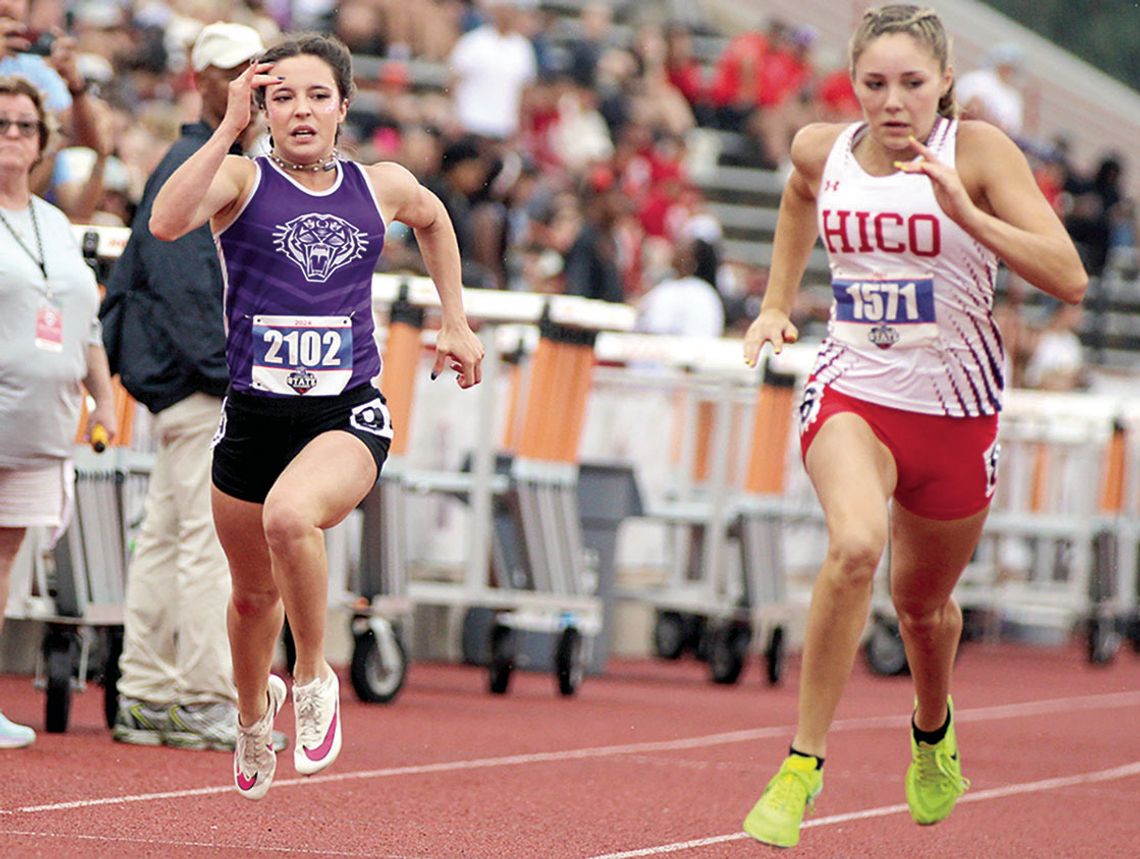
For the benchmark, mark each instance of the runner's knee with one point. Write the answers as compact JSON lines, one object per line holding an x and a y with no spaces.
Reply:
{"x":922,"y":621}
{"x":252,"y":602}
{"x":853,"y":559}
{"x":285,"y":524}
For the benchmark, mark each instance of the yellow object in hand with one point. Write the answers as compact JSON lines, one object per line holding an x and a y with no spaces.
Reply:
{"x":99,"y":438}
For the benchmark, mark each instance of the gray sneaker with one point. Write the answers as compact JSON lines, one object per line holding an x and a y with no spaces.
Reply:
{"x":140,"y":723}
{"x":209,"y":726}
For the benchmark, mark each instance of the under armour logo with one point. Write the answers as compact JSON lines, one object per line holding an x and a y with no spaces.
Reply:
{"x":831,"y":185}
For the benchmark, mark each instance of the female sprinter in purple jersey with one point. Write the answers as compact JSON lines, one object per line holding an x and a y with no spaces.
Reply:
{"x":304,"y":429}
{"x":915,"y":209}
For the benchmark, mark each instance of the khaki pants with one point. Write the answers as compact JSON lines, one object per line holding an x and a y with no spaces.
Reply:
{"x":176,"y":649}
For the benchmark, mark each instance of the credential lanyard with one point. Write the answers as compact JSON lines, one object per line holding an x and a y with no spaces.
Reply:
{"x":41,"y":260}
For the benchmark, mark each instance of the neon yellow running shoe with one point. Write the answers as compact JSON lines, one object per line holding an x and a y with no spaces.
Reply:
{"x":777,"y":815}
{"x":934,"y":778}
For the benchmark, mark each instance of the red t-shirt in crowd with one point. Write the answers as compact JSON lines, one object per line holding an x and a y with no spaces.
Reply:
{"x":836,"y":95}
{"x":782,"y":74}
{"x":747,"y":49}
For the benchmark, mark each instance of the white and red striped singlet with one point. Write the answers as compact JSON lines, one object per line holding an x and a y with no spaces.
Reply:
{"x":911,"y":322}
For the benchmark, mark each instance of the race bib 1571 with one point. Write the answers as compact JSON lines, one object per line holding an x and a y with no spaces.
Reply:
{"x":886,"y":313}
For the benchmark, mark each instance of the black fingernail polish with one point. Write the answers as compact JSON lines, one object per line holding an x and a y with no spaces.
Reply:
{"x":434,"y":375}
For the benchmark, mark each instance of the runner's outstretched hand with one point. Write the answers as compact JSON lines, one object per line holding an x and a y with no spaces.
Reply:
{"x":459,"y":348}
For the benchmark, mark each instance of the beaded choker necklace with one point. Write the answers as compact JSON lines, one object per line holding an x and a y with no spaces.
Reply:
{"x":324,"y":165}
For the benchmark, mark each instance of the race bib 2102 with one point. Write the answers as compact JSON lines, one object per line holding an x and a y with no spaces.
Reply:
{"x":302,"y":355}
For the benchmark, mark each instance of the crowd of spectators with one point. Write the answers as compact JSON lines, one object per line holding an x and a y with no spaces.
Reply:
{"x":1099,"y":217}
{"x":563,"y":145}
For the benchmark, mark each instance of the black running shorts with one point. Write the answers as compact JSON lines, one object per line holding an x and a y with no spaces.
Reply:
{"x":259,"y":436}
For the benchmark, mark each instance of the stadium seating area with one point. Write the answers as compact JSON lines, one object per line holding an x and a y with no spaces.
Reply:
{"x":631,"y":139}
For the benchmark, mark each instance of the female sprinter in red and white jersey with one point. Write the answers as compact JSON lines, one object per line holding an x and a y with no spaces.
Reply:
{"x":915,"y":209}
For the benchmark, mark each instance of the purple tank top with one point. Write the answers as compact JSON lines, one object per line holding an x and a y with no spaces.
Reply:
{"x":297,"y":267}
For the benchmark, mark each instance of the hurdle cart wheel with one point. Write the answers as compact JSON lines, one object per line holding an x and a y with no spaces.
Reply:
{"x":113,"y":644}
{"x":774,"y":656}
{"x":502,"y":658}
{"x":884,"y":649}
{"x":59,"y":666}
{"x":1103,"y":640}
{"x":729,"y":648}
{"x":568,"y":662}
{"x":379,"y":660}
{"x":670,"y":634}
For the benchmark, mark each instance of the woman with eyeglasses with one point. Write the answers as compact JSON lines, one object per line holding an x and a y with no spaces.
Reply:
{"x":51,"y":346}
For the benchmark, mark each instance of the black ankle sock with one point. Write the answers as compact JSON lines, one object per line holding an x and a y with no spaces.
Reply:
{"x":931,"y":737}
{"x":818,"y":760}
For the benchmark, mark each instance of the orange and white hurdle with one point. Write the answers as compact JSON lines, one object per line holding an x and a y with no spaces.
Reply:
{"x":723,"y":509}
{"x":539,"y":582}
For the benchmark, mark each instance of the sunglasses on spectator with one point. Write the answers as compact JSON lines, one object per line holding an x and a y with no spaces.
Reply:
{"x":26,"y":127}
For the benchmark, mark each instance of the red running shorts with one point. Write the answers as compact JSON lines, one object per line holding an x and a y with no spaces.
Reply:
{"x":947,"y":467}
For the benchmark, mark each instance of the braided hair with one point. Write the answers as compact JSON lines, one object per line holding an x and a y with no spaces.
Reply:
{"x":921,"y":24}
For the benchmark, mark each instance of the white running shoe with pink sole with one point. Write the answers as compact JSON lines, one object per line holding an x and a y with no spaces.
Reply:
{"x":316,"y":706}
{"x":254,"y":758}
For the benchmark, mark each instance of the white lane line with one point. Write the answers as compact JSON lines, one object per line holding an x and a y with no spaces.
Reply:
{"x":676,"y":847}
{"x":1012,"y":711}
{"x":1126,"y":771}
{"x":211,"y":845}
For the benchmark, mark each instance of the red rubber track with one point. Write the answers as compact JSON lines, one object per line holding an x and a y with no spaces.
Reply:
{"x":649,"y":760}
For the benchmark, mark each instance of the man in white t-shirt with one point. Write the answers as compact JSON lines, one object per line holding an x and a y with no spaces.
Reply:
{"x":491,"y":68}
{"x":992,"y":93}
{"x":1058,"y":359}
{"x":685,"y":305}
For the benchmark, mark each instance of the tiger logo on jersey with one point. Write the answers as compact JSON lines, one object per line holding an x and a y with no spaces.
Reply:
{"x":320,"y":244}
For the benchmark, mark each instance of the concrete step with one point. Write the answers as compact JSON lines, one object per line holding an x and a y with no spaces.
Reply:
{"x":760,"y":253}
{"x":741,"y":221}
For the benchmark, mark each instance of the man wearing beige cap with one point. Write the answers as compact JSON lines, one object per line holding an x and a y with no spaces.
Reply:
{"x":162,"y":326}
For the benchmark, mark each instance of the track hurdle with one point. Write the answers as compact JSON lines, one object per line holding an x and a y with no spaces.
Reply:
{"x":536,"y":579}
{"x":723,"y":513}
